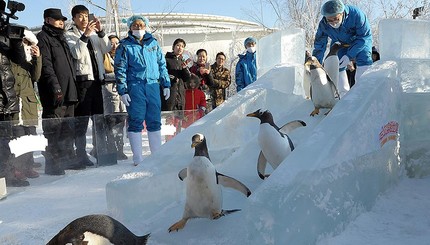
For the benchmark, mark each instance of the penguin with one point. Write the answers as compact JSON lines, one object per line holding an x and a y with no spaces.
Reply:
{"x":324,"y":93}
{"x":274,"y":142}
{"x":96,"y":229}
{"x":203,"y":190}
{"x":331,"y":62}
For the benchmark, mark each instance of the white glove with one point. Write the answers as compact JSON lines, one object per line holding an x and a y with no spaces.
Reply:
{"x":166,"y":93}
{"x":343,"y":62}
{"x":125,"y":98}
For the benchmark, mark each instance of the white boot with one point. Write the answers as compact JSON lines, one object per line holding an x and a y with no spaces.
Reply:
{"x":343,"y":84}
{"x":135,"y":139}
{"x":154,"y":140}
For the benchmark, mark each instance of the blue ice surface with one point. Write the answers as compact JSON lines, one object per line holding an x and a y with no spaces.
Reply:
{"x":341,"y":163}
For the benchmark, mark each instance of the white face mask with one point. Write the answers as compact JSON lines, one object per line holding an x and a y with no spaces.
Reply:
{"x":251,"y":49}
{"x":138,"y":33}
{"x":335,"y":26}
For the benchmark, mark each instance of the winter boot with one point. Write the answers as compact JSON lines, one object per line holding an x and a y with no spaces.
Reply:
{"x":136,"y":146}
{"x":120,"y":148}
{"x":81,"y":153}
{"x":154,"y":140}
{"x":10,"y":175}
{"x":52,"y":162}
{"x":28,"y":167}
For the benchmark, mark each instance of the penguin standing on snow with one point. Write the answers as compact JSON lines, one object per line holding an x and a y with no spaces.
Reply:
{"x":324,"y":93}
{"x":274,"y":142}
{"x":331,"y":63}
{"x":97,"y":229}
{"x":203,"y":190}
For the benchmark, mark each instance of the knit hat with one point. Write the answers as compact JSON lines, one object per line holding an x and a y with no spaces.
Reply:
{"x":29,"y":36}
{"x":133,"y":18}
{"x":249,"y":40}
{"x":332,"y":8}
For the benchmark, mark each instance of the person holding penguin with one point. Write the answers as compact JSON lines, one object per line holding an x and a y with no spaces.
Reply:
{"x":350,"y":26}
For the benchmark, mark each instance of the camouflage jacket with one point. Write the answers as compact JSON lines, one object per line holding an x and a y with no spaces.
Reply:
{"x":222,"y":80}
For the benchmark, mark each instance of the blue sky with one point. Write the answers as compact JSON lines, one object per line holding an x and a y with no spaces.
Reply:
{"x":241,"y":9}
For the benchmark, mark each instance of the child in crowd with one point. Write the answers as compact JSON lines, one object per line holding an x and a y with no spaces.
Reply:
{"x":194,"y":97}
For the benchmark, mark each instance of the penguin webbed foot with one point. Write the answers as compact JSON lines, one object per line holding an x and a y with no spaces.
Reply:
{"x":178,"y":225}
{"x":217,"y":215}
{"x":316,"y":111}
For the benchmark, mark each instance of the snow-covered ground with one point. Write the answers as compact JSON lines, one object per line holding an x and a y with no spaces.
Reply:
{"x":150,"y":197}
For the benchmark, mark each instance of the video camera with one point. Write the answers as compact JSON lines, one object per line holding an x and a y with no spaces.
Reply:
{"x":11,"y":31}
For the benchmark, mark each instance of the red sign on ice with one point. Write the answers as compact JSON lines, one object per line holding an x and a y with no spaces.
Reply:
{"x":389,"y":132}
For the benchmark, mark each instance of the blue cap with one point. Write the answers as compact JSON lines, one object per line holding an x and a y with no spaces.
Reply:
{"x":249,"y":40}
{"x":332,"y":8}
{"x":133,"y":18}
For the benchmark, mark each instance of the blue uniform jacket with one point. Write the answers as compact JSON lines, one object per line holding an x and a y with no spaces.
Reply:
{"x":354,"y":30}
{"x":246,"y":70}
{"x":136,"y":63}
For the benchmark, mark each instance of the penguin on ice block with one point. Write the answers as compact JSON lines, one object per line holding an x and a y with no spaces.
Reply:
{"x":274,"y":142}
{"x":97,"y":229}
{"x":203,"y":190}
{"x":324,"y":93}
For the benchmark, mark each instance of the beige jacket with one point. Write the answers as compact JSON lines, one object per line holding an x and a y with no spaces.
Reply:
{"x":80,"y":52}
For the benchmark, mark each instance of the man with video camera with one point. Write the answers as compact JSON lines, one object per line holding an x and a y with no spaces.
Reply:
{"x":11,"y":49}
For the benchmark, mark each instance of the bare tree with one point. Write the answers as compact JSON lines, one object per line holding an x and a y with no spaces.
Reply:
{"x":306,"y":14}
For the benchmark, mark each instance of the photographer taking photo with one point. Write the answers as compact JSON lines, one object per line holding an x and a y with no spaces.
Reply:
{"x":11,"y":49}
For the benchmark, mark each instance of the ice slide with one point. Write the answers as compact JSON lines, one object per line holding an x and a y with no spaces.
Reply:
{"x":341,"y":163}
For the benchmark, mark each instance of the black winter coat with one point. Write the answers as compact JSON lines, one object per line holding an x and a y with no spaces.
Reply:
{"x":178,"y":77}
{"x":10,"y":50}
{"x":58,"y":67}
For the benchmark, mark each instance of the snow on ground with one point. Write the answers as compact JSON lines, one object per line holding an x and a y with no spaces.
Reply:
{"x":32,"y":215}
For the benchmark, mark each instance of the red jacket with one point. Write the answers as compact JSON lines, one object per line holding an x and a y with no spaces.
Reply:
{"x":194,"y":99}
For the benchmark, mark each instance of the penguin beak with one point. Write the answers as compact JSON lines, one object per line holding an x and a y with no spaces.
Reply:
{"x":254,"y":114}
{"x":194,"y":144}
{"x":251,"y":115}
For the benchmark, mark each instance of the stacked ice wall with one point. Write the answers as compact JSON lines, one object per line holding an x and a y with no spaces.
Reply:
{"x":341,"y":163}
{"x":412,"y":51}
{"x":282,"y":47}
{"x":337,"y":172}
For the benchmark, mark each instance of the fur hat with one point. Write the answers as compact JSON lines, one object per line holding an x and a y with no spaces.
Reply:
{"x":29,"y":36}
{"x":332,"y":8}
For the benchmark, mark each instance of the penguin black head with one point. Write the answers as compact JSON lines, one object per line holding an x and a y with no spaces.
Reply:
{"x":308,"y":56}
{"x":199,"y":143}
{"x":264,"y":116}
{"x":313,"y":63}
{"x":336,"y":47}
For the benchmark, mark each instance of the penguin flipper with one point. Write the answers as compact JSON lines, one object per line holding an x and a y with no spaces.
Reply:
{"x":143,"y":239}
{"x":230,"y":182}
{"x":261,"y":165}
{"x":333,"y":87}
{"x":287,"y":128}
{"x":182,"y":174}
{"x":224,"y":213}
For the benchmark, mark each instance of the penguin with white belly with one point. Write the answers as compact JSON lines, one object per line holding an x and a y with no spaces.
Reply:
{"x":97,"y":229}
{"x":203,"y":190}
{"x":324,"y":93}
{"x":274,"y":142}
